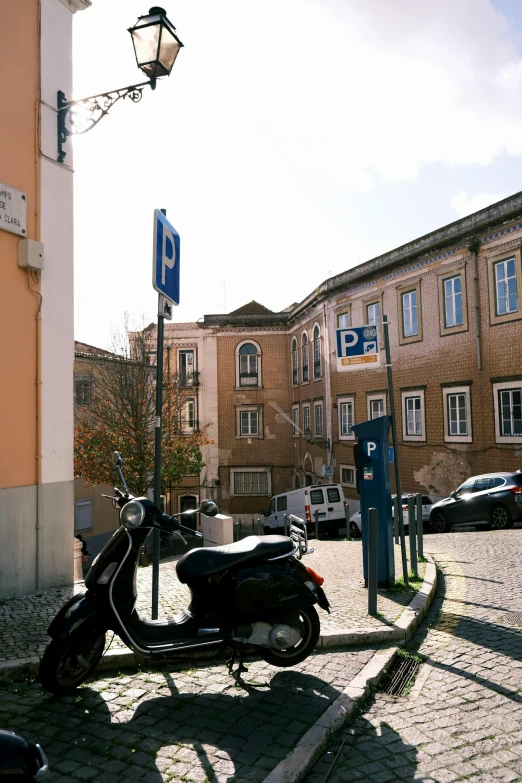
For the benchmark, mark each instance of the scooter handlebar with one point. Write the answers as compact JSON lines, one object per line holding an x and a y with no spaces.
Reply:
{"x":173,"y":525}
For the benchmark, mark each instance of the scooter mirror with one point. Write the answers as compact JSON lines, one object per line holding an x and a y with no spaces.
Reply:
{"x":117,"y":459}
{"x":209,"y":508}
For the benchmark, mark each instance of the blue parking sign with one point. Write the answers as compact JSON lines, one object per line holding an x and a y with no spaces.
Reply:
{"x":165,"y":258}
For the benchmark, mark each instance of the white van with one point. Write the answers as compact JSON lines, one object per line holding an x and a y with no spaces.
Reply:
{"x":327,"y":499}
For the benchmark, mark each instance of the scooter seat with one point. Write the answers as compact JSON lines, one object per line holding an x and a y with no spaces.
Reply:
{"x":213,"y":560}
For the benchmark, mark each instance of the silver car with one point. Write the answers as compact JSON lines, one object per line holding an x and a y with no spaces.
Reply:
{"x":427,"y":502}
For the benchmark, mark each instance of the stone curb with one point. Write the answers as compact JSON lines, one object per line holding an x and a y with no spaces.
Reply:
{"x":400,"y":631}
{"x":295,"y":766}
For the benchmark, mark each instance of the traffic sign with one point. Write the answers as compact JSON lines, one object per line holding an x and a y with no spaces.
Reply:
{"x":164,"y":307}
{"x":165,"y":258}
{"x":357,"y":348}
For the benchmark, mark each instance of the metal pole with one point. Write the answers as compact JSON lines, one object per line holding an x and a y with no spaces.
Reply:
{"x":396,"y":518}
{"x":395,"y":447}
{"x":372,"y":560}
{"x":285,"y":523}
{"x":420,"y":526}
{"x":316,"y":515}
{"x":253,"y":525}
{"x":413,"y":535}
{"x":347,"y":515}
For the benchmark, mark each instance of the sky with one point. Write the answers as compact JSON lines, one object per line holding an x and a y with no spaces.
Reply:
{"x":293,"y":140}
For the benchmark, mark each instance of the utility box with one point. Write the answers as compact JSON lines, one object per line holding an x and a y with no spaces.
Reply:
{"x":217,"y":531}
{"x":30,"y":254}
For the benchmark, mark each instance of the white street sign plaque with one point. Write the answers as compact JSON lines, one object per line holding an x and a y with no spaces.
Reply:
{"x":165,"y":307}
{"x":13,"y":210}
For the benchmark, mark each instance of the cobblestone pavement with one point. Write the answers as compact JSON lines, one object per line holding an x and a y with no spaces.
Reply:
{"x":24,"y":621}
{"x":191,"y":724}
{"x":463,"y":717}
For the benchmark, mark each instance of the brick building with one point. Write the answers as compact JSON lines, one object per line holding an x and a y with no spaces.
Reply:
{"x":453,"y":299}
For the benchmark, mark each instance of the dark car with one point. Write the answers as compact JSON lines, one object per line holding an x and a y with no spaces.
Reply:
{"x":493,"y":499}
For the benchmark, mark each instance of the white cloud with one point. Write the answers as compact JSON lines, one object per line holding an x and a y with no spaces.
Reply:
{"x":466,"y":205}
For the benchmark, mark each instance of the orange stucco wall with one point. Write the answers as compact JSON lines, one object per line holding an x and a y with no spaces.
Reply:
{"x":19,"y":45}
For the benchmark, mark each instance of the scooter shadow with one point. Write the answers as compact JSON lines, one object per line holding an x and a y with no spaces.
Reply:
{"x":181,"y":733}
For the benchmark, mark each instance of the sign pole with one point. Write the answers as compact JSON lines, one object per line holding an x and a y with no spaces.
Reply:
{"x":157,"y":463}
{"x":395,"y":448}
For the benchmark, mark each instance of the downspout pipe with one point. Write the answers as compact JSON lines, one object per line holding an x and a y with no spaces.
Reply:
{"x":473,"y":249}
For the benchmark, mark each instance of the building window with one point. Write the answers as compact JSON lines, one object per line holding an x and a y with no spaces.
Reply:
{"x":304,"y":360}
{"x":249,"y":422}
{"x":295,"y":419}
{"x":506,"y":292}
{"x":82,"y":515}
{"x":186,"y":368}
{"x":318,"y":419}
{"x":457,"y":414}
{"x":248,"y":365}
{"x":373,"y":313}
{"x":413,"y":421}
{"x":505,"y":284}
{"x":346,"y":409}
{"x":317,"y":352}
{"x":306,"y":418}
{"x":376,"y":406}
{"x":188,"y":415}
{"x":297,"y":482}
{"x":250,"y":481}
{"x":82,"y":389}
{"x":343,"y":320}
{"x":348,"y":477}
{"x":410,"y":321}
{"x":453,"y":315}
{"x":294,"y":361}
{"x":508,"y":411}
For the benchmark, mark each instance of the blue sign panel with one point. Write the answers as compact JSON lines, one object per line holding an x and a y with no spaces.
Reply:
{"x":357,"y":348}
{"x":165,"y":258}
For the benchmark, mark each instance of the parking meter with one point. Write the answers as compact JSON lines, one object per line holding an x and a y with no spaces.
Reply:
{"x":373,"y":467}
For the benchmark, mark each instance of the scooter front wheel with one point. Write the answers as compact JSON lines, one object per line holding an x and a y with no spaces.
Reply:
{"x":310,"y":628}
{"x":66,"y":665}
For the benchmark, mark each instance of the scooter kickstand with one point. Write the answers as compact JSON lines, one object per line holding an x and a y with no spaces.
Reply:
{"x":240,"y":669}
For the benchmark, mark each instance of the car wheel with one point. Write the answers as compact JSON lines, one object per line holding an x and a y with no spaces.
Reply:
{"x":354,"y":530}
{"x":439,"y":523}
{"x":500,"y":519}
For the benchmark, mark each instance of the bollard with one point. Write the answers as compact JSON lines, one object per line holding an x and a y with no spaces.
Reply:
{"x":420,"y":526}
{"x":260,"y":530}
{"x":285,"y":522}
{"x":396,"y":518}
{"x":253,"y":525}
{"x":78,"y":570}
{"x":316,"y":515}
{"x":372,"y":561}
{"x":347,"y":517}
{"x":412,"y":534}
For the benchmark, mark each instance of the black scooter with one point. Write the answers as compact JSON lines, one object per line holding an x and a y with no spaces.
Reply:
{"x":253,"y":593}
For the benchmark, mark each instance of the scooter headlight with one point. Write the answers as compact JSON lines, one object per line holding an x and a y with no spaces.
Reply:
{"x":132,"y":514}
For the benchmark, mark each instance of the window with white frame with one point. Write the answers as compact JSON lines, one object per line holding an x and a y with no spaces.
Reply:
{"x":373,"y":313}
{"x":348,"y":476}
{"x":304,"y":358}
{"x":188,"y":415}
{"x":410,"y":320}
{"x":306,"y":418}
{"x":343,"y":320}
{"x":318,"y":419}
{"x":413,"y":420}
{"x":317,"y":352}
{"x":506,"y":288}
{"x":453,"y":311}
{"x":248,"y":355}
{"x":295,"y":419}
{"x":82,"y":515}
{"x":82,"y":389}
{"x":346,"y":408}
{"x":249,"y":424}
{"x":457,"y":414}
{"x":186,"y":368}
{"x":294,"y":362}
{"x":508,"y":411}
{"x":250,"y":481}
{"x":376,"y":406}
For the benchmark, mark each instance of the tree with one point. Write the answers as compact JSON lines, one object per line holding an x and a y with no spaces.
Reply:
{"x":121,"y":417}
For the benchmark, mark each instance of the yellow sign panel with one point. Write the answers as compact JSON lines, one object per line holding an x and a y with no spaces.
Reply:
{"x":369,"y":358}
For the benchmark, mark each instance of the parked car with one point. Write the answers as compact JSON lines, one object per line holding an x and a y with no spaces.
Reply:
{"x":355,"y":519}
{"x":491,"y":499}
{"x":326,"y":499}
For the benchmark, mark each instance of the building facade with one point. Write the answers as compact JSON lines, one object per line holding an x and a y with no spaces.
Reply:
{"x":453,"y":301}
{"x":36,"y":306}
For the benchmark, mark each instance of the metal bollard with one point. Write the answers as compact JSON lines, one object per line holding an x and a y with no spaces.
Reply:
{"x":347,"y":517}
{"x":236,"y":531}
{"x":253,"y":525}
{"x":316,"y":515}
{"x":285,"y":522}
{"x":412,"y":535}
{"x":372,"y":560}
{"x":396,"y":518}
{"x":420,"y":526}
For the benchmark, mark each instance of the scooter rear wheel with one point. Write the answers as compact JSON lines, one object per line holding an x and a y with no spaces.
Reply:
{"x":310,"y":630}
{"x":65,"y":666}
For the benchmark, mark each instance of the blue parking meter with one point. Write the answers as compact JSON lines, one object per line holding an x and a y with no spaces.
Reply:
{"x":373,"y":472}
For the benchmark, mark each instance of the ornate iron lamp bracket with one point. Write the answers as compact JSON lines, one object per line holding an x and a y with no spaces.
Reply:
{"x":76,"y":117}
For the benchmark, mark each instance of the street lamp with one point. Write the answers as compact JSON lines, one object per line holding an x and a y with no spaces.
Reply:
{"x":323,"y":444}
{"x":156,"y":47}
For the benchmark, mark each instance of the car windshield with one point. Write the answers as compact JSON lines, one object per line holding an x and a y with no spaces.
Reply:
{"x":465,"y":489}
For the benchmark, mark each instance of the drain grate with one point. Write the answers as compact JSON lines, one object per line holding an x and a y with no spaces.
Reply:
{"x":513,"y":618}
{"x":400,"y":676}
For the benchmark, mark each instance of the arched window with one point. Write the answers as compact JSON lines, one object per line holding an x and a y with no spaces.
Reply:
{"x":297,"y":481}
{"x":294,"y":361}
{"x":304,"y":362}
{"x":248,"y":364}
{"x":317,"y":352}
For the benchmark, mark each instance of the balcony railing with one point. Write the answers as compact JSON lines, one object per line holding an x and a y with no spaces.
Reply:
{"x":188,"y":379}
